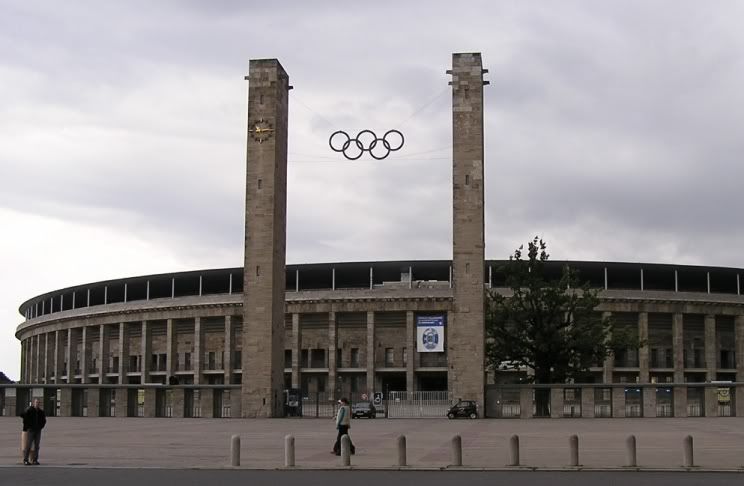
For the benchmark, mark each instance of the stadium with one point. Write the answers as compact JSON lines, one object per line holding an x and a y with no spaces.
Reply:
{"x":233,"y":340}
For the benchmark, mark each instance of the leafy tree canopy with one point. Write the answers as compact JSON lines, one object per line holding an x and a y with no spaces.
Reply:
{"x":548,"y":325}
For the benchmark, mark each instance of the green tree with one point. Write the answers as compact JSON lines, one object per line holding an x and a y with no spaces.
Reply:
{"x":550,"y":326}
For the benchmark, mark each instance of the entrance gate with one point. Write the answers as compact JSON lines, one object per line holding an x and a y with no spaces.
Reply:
{"x":422,"y":404}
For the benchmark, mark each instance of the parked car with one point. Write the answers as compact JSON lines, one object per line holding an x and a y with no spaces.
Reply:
{"x":463,"y":408}
{"x":363,"y":409}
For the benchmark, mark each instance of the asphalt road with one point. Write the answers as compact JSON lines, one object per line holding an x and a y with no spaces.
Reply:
{"x":41,"y":475}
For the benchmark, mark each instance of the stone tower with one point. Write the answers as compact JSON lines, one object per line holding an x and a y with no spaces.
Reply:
{"x":265,"y":240}
{"x":466,"y":329}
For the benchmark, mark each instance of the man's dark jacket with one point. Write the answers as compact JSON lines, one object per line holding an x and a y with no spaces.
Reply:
{"x":33,"y":419}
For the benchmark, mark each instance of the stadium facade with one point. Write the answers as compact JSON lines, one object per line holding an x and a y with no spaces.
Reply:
{"x":364,"y":327}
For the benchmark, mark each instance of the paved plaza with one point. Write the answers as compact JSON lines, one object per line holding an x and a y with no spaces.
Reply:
{"x":204,"y":443}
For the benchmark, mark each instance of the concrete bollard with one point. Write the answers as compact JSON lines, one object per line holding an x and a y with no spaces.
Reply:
{"x":235,"y":451}
{"x":289,"y":451}
{"x":402,"y":451}
{"x":457,"y":450}
{"x":514,"y":450}
{"x":573,"y":444}
{"x":687,"y":446}
{"x":631,"y":459}
{"x":346,"y":450}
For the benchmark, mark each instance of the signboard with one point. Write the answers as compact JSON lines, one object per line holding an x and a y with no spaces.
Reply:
{"x":377,"y":399}
{"x":724,"y":395}
{"x":430,"y":334}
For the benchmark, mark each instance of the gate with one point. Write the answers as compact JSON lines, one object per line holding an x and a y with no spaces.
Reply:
{"x":422,"y":404}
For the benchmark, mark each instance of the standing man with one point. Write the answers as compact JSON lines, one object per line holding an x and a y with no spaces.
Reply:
{"x":34,"y":419}
{"x":343,"y":423}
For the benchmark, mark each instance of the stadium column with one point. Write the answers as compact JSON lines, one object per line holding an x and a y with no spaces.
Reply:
{"x":31,"y":359}
{"x":45,"y":360}
{"x":84,"y":354}
{"x":466,"y":329}
{"x":123,"y":357}
{"x":739,"y":354}
{"x":68,"y":357}
{"x":370,"y":353}
{"x":104,"y":349}
{"x":710,"y":348}
{"x":265,"y":240}
{"x":643,"y":350}
{"x":24,"y":366}
{"x":333,"y":385}
{"x":296,"y":349}
{"x":146,"y":350}
{"x":198,"y":350}
{"x":609,"y":362}
{"x":678,"y":357}
{"x":410,"y":345}
{"x":228,"y":350}
{"x":58,"y":357}
{"x":170,"y":348}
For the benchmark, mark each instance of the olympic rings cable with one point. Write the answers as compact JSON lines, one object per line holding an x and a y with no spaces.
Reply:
{"x":365,"y":141}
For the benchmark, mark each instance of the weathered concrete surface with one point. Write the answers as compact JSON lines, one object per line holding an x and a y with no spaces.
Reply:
{"x":148,"y":442}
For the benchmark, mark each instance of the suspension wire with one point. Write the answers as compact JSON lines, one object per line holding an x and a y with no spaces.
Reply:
{"x":424,"y":106}
{"x":324,"y":119}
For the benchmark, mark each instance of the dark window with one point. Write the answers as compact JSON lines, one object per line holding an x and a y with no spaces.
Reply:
{"x":389,"y":357}
{"x":355,"y":357}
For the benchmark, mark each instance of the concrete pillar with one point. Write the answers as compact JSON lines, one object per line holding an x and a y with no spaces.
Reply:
{"x":65,"y":402}
{"x":525,"y":402}
{"x":24,"y":365}
{"x":37,"y":359}
{"x":197,"y":359}
{"x":618,"y":402}
{"x":178,"y":402}
{"x":556,"y":402}
{"x":739,"y":352}
{"x":85,"y":355}
{"x":228,"y":350}
{"x":643,"y":350}
{"x":680,"y":401}
{"x":678,"y":350}
{"x":206,"y":402}
{"x":121,"y":400}
{"x":31,"y":360}
{"x":146,"y":351}
{"x":235,"y":404}
{"x":648,"y":395}
{"x":104,"y":352}
{"x":587,"y":402}
{"x":59,"y":357}
{"x":410,"y":347}
{"x":465,"y":331}
{"x":123,"y":363}
{"x":371,"y":353}
{"x":150,"y":402}
{"x":47,"y":361}
{"x":296,"y":350}
{"x":94,"y":402}
{"x":171,"y":348}
{"x":332,"y":347}
{"x":711,"y":401}
{"x":711,"y":365}
{"x":609,"y":362}
{"x":70,"y":358}
{"x":264,"y":269}
{"x":739,"y":400}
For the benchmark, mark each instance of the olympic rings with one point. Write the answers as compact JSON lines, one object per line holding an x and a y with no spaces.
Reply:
{"x":365,"y":141}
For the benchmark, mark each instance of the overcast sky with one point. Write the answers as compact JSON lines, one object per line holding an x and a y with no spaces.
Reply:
{"x":614,"y":130}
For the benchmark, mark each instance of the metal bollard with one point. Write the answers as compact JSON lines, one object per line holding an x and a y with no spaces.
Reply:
{"x":289,"y":451}
{"x":514,"y":450}
{"x":630,"y":452}
{"x":235,"y":451}
{"x":573,"y":444}
{"x":457,"y":450}
{"x":346,"y":450}
{"x":402,"y":451}
{"x":687,"y":446}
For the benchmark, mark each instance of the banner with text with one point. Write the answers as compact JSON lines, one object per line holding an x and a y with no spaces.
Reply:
{"x":430,"y":334}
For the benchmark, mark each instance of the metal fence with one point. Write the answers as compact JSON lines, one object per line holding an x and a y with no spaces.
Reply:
{"x":422,"y":404}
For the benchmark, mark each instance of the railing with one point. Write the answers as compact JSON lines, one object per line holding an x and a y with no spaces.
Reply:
{"x":615,"y":400}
